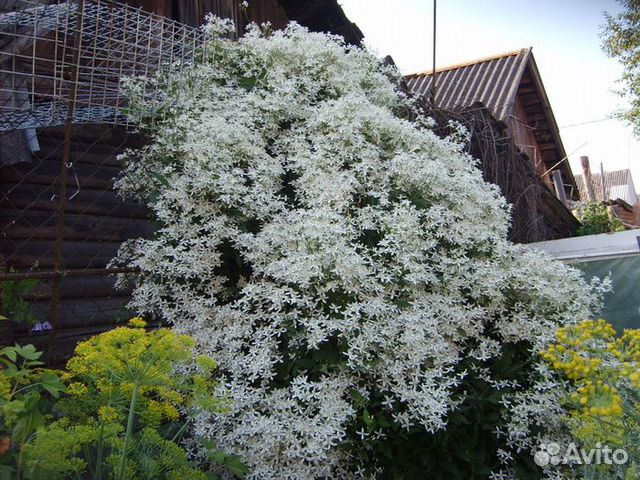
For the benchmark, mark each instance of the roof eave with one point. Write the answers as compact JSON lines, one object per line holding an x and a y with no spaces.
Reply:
{"x":555,"y":131}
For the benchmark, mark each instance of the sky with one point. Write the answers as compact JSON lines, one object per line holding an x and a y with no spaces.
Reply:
{"x":578,"y":77}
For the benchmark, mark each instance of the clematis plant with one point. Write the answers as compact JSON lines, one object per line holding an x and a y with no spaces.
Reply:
{"x":347,"y":268}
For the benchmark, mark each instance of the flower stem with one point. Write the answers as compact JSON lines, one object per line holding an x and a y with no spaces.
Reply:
{"x":129,"y":432}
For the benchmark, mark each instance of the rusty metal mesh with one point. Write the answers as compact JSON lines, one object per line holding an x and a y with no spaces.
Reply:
{"x":63,"y":124}
{"x":53,"y":55}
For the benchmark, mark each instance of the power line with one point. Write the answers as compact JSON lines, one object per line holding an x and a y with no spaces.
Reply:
{"x":587,"y":122}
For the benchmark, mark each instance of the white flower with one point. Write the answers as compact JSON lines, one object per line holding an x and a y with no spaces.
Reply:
{"x":319,"y":246}
{"x":388,"y":402}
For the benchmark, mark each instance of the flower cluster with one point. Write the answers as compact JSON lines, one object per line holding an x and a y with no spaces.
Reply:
{"x":112,"y":364}
{"x":324,"y":248}
{"x":590,"y":355}
{"x":603,"y":392}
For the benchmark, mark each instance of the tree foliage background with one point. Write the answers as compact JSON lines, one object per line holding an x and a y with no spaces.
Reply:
{"x":621,"y":40}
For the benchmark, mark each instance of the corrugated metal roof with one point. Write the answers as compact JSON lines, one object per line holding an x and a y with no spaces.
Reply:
{"x":493,"y":81}
{"x":615,"y":185}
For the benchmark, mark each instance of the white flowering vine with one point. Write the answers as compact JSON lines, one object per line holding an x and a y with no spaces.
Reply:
{"x":341,"y":262}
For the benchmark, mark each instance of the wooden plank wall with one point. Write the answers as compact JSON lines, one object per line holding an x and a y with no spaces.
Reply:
{"x":96,"y":221}
{"x":192,"y":12}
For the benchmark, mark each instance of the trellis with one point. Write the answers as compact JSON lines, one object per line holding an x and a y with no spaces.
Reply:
{"x":63,"y":121}
{"x":64,"y":62}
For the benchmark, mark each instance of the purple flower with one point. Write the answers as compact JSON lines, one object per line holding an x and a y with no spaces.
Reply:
{"x":41,"y":327}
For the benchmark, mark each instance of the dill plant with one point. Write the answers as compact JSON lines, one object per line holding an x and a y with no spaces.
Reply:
{"x":125,"y":409}
{"x":602,"y":371}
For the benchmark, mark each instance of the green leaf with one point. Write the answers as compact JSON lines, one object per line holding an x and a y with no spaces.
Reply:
{"x":217,"y":456}
{"x":31,"y":400}
{"x":235,"y":466}
{"x":383,"y":421}
{"x":12,"y":411}
{"x":29,"y":352}
{"x":359,"y":400}
{"x":231,"y":462}
{"x":402,"y":304}
{"x":28,"y":424}
{"x":10,"y":352}
{"x":368,"y":419}
{"x":6,"y":472}
{"x":52,"y":384}
{"x":11,"y":371}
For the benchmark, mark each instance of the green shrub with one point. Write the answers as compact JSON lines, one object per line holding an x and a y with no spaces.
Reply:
{"x":597,"y":218}
{"x":26,"y":393}
{"x":124,"y":414}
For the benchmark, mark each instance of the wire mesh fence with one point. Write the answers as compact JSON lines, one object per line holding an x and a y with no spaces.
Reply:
{"x":63,"y":124}
{"x":60,"y":225}
{"x":57,"y":57}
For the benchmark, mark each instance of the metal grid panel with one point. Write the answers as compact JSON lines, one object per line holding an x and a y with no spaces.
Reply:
{"x":61,"y":65}
{"x":60,"y":60}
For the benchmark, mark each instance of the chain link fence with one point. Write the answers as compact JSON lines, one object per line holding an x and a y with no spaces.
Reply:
{"x":63,"y":124}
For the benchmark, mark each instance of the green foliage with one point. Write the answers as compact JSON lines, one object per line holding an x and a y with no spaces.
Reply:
{"x":26,"y":393}
{"x":603,"y":374}
{"x":123,"y":414}
{"x":596,"y":218}
{"x":14,"y":306}
{"x":467,"y":447}
{"x":223,"y":460}
{"x":621,"y":40}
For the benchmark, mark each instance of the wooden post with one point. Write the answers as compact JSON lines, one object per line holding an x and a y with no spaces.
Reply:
{"x":557,"y":183}
{"x":588,"y":182}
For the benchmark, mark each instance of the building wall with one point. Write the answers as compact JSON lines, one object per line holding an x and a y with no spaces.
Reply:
{"x":192,"y":12}
{"x":38,"y":235}
{"x":75,"y":242}
{"x":522,"y":134}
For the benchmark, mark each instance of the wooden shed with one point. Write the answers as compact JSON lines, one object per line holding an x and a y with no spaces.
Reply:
{"x":510,"y":88}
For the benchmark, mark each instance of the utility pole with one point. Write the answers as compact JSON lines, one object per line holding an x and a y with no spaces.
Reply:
{"x":433,"y":71}
{"x":588,"y":182}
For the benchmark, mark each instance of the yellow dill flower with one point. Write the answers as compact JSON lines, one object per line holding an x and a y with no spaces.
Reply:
{"x":107,"y":368}
{"x":77,"y":389}
{"x":604,"y":372}
{"x":171,"y":412}
{"x":137,"y":322}
{"x":154,"y":412}
{"x":108,"y":414}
